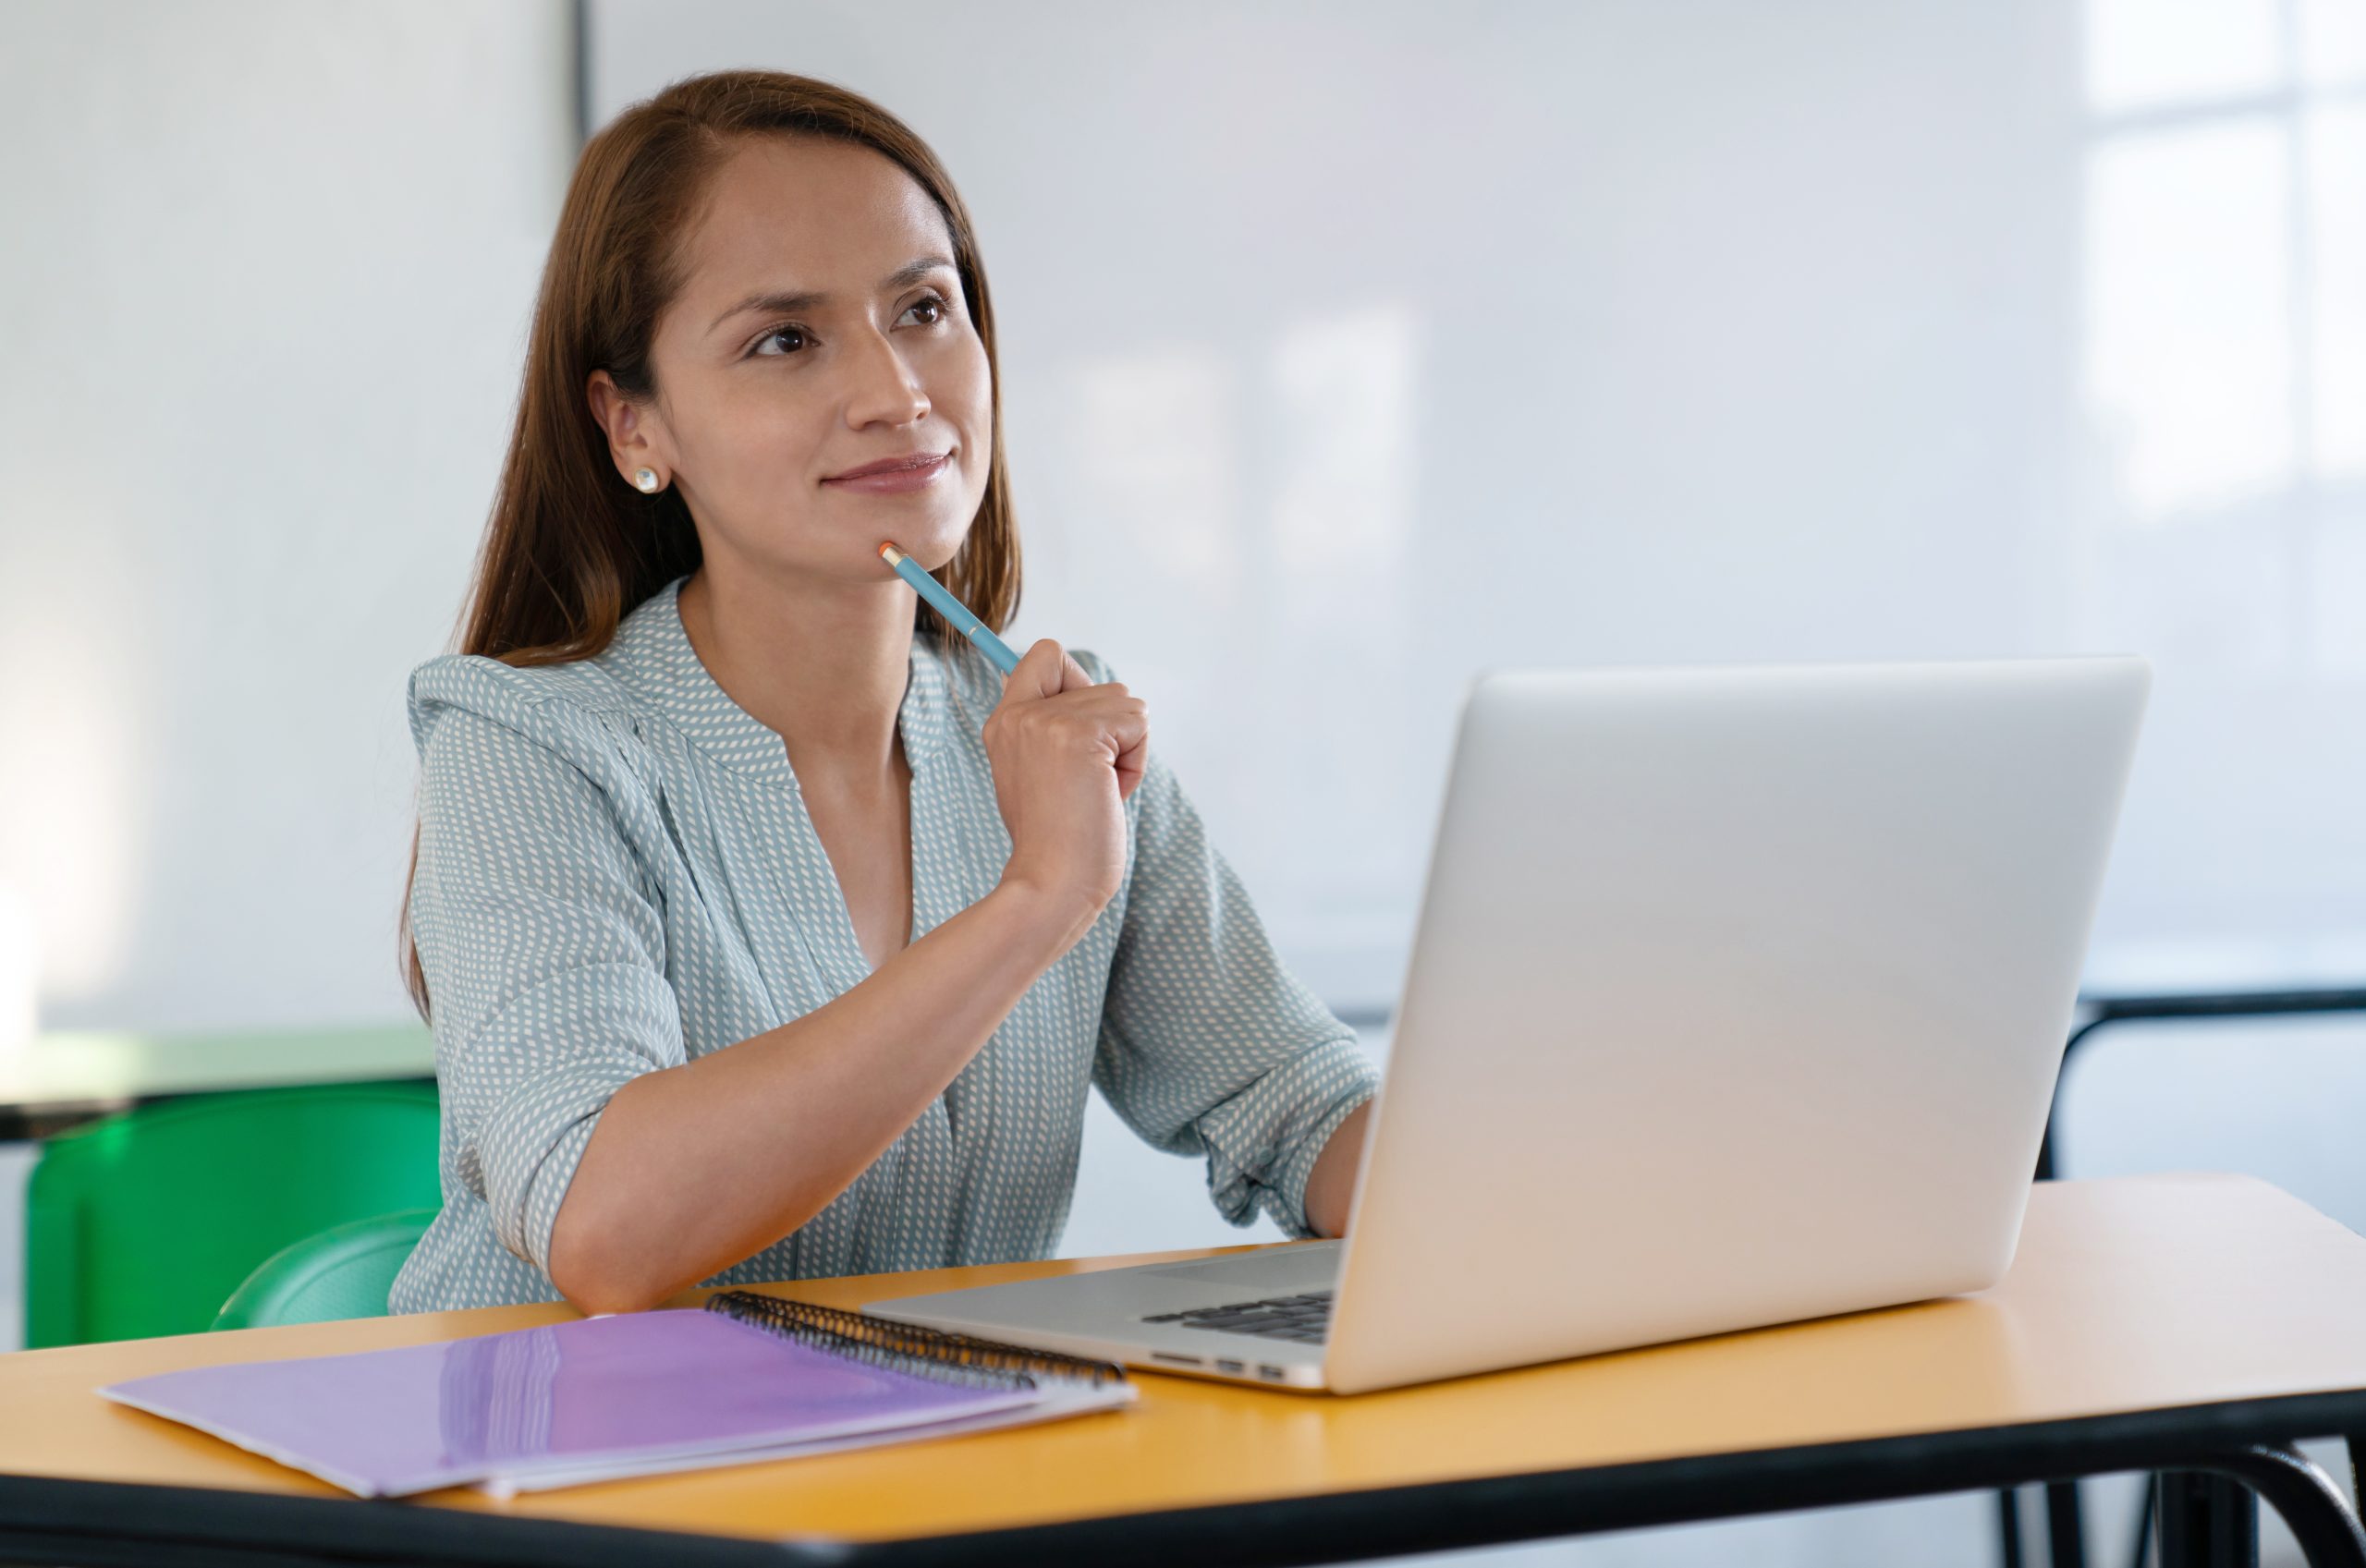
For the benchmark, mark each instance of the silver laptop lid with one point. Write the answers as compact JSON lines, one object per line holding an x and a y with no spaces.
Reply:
{"x":1738,"y":997}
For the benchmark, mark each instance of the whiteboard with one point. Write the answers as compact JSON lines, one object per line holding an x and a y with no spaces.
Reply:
{"x":1349,"y":348}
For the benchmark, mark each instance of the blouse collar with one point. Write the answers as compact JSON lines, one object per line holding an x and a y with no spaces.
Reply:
{"x":652,"y":653}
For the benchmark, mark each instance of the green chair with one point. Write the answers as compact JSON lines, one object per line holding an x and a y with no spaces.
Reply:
{"x":345,"y":1271}
{"x":144,"y":1223}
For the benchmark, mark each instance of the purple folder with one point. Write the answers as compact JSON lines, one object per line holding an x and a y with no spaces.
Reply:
{"x":595,"y":1395}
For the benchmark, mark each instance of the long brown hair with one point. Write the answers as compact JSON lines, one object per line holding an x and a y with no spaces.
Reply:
{"x":570,"y":549}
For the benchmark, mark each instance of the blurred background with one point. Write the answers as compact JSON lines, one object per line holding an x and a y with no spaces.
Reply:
{"x":1348,"y":348}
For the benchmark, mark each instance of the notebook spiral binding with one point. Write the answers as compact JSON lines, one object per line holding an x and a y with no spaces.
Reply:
{"x":907,"y":1347}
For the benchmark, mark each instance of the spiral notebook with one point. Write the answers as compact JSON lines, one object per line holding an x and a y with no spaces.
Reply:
{"x":745,"y":1378}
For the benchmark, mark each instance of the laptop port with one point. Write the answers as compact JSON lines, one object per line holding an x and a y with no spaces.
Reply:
{"x":1272,"y":1374}
{"x":1178,"y":1360}
{"x":1230,"y":1367}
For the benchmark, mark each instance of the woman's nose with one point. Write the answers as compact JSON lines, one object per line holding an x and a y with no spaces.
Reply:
{"x":885,"y":390}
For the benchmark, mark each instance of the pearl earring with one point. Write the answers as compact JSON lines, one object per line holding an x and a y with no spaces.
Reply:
{"x":646,"y":479}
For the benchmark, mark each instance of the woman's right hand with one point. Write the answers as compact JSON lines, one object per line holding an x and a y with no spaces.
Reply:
{"x":1066,"y":754}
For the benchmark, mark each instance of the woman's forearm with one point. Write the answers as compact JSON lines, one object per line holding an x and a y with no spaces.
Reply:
{"x":691,"y":1169}
{"x":1331,"y":1186}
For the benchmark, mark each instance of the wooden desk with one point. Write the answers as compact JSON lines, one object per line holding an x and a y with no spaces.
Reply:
{"x":62,"y":1080}
{"x":2157,"y":1323}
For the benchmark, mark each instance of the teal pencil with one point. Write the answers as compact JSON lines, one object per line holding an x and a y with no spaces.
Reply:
{"x":955,"y":613}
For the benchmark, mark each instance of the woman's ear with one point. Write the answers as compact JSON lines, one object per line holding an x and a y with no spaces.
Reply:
{"x":630,"y":443}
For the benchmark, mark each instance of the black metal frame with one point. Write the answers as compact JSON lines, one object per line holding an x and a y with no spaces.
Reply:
{"x":2066,"y":1534}
{"x":2104,"y":1011}
{"x":2241,"y":1448}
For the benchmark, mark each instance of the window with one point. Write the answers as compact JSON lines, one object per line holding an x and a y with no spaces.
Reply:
{"x":2223,"y":374}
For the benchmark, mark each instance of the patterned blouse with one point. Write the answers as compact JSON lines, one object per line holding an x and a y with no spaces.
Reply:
{"x":616,"y":873}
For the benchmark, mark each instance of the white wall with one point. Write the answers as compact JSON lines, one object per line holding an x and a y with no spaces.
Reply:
{"x":265,"y":276}
{"x":1351,"y":346}
{"x":265,"y":270}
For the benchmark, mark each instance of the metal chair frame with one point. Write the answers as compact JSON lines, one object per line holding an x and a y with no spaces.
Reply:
{"x":2185,"y":1503}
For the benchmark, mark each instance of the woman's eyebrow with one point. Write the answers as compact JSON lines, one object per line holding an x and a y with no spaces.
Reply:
{"x":910,"y":272}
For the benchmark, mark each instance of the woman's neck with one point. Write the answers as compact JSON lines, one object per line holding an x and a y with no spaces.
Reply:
{"x":824,"y":666}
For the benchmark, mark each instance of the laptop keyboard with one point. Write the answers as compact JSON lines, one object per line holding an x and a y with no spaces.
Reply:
{"x":1304,"y":1319}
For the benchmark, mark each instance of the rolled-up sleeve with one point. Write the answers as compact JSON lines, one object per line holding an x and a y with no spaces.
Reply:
{"x":544,"y":949}
{"x":1208,"y":1044}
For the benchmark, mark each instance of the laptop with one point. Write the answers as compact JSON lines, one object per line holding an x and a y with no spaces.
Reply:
{"x":1737,"y":997}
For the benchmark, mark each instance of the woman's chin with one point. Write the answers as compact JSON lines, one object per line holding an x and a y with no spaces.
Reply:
{"x":931,"y":543}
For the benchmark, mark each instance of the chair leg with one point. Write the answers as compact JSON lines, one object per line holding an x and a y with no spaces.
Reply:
{"x":2009,"y":1527}
{"x":2212,"y":1518}
{"x":2066,"y":1534}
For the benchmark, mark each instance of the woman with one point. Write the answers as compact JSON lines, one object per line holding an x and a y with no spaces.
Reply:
{"x":766,"y":931}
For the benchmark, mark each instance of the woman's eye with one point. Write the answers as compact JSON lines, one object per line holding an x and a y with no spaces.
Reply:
{"x":930,"y":303}
{"x":797,"y":332}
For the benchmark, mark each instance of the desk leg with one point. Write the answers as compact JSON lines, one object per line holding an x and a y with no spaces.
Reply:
{"x":2210,"y":1520}
{"x":2066,"y":1539}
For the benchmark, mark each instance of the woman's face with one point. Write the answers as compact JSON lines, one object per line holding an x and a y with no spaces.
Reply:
{"x":820,"y":329}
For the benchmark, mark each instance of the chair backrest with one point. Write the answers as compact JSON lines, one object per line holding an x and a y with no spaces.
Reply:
{"x":344,"y":1271}
{"x":144,"y":1223}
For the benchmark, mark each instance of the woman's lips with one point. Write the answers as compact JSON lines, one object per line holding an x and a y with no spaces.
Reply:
{"x":894,"y":481}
